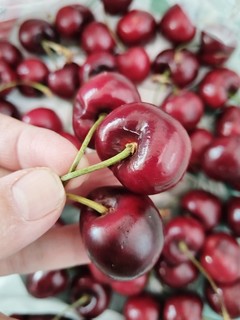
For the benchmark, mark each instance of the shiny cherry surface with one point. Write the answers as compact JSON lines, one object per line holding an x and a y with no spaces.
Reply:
{"x":227,"y":123}
{"x":9,"y":109}
{"x":116,"y":7}
{"x":233,"y":214}
{"x":7,"y":75}
{"x":10,"y":53}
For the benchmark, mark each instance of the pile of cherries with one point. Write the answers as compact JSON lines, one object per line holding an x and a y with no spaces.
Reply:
{"x":149,"y":148}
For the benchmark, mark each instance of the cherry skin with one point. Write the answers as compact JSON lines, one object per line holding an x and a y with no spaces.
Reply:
{"x":101,"y":94}
{"x":129,"y":31}
{"x":183,"y":306}
{"x":7,"y":75}
{"x":43,"y":284}
{"x":185,"y":106}
{"x":227,"y":123}
{"x":72,"y":138}
{"x":176,"y":26}
{"x":64,"y":82}
{"x":71,"y":20}
{"x":141,"y":307}
{"x":233,"y":214}
{"x":117,"y":7}
{"x":182,"y":229}
{"x":220,"y":256}
{"x":134,"y":238}
{"x":10,"y":53}
{"x":33,"y":31}
{"x":163,"y":147}
{"x":204,"y":206}
{"x":134,"y":63}
{"x":97,"y":37}
{"x":217,"y":86}
{"x":9,"y":109}
{"x":181,"y":66}
{"x":43,"y":117}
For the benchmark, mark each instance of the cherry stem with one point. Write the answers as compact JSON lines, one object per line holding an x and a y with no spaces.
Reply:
{"x":87,"y":202}
{"x":86,"y":143}
{"x":78,"y":303}
{"x":50,"y":46}
{"x":36,"y":85}
{"x":184,"y":248}
{"x":162,"y":78}
{"x":129,"y":150}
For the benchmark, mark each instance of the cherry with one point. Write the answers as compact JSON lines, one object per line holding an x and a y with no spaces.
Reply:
{"x":10,"y":53}
{"x":182,"y":229}
{"x":96,"y":63}
{"x":141,"y":307}
{"x":176,"y":26}
{"x":117,"y":7}
{"x":72,"y":138}
{"x":136,"y":27}
{"x":233,"y":214}
{"x":8,"y":108}
{"x":97,"y":37}
{"x":217,"y":86}
{"x":183,"y":306}
{"x":43,"y":117}
{"x":134,"y":63}
{"x":163,"y":147}
{"x":42,"y":284}
{"x":181,"y":66}
{"x":64,"y":82}
{"x":101,"y":94}
{"x":134,"y":238}
{"x":227,"y":123}
{"x":217,"y":43}
{"x":7,"y":75}
{"x":33,"y":32}
{"x":96,"y":295}
{"x":185,"y":106}
{"x":220,"y":257}
{"x":32,"y":70}
{"x":204,"y":206}
{"x":231,"y":298}
{"x":200,"y":139}
{"x":176,"y":276}
{"x":71,"y":20}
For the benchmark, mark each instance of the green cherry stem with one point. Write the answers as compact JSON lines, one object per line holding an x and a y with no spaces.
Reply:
{"x":129,"y":150}
{"x":184,"y":248}
{"x":36,"y":85}
{"x":86,"y":143}
{"x":50,"y":46}
{"x":87,"y":202}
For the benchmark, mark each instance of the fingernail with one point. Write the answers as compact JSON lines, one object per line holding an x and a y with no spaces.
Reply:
{"x":37,"y":193}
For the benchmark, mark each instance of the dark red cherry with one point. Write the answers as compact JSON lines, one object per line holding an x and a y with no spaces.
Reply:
{"x":220,"y":256}
{"x":176,"y":276}
{"x":176,"y":25}
{"x":142,"y":307}
{"x":217,"y":43}
{"x":71,"y":19}
{"x":95,"y":63}
{"x":127,"y":240}
{"x":72,"y":138}
{"x":217,"y":86}
{"x":98,"y":295}
{"x":10,"y":53}
{"x":233,"y":214}
{"x":185,"y":106}
{"x":43,"y":117}
{"x":163,"y":147}
{"x":9,"y":109}
{"x":181,"y":66}
{"x":33,"y":31}
{"x":97,"y":37}
{"x":200,"y":139}
{"x":227,"y":123}
{"x":7,"y":75}
{"x":42,"y":284}
{"x":182,"y":229}
{"x":32,"y":70}
{"x":64,"y":82}
{"x":136,"y":27}
{"x":101,"y":94}
{"x":134,"y":63}
{"x":183,"y":306}
{"x":204,"y":206}
{"x":117,"y":7}
{"x":231,"y":298}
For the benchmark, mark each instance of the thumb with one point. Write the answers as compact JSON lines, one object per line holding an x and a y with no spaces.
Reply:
{"x":31,"y":201}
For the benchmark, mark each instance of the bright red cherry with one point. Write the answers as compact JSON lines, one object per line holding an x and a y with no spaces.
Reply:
{"x":176,"y":25}
{"x":117,"y":7}
{"x":233,"y":214}
{"x":127,"y":240}
{"x":7,"y":75}
{"x":9,"y":109}
{"x":227,"y":123}
{"x":10,"y":53}
{"x":163,"y":147}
